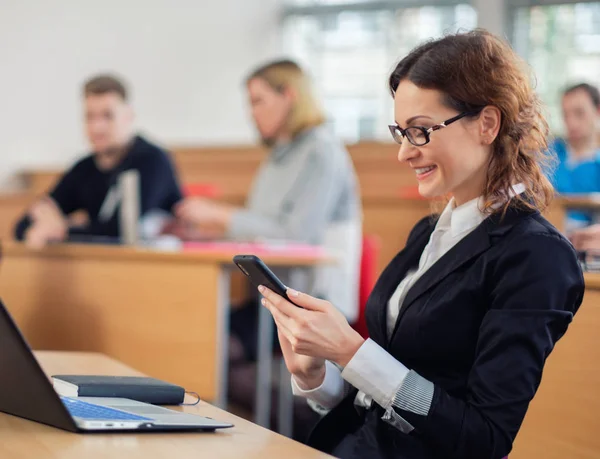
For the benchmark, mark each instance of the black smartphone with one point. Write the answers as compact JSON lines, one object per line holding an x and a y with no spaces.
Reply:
{"x":259,"y":274}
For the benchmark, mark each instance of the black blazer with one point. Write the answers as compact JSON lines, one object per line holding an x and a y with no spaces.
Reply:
{"x":479,"y":324}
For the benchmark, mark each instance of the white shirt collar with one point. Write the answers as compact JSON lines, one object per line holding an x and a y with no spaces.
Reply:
{"x":467,"y":216}
{"x":462,"y":218}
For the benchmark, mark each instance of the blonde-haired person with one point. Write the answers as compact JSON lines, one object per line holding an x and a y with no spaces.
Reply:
{"x":278,"y":122}
{"x":305,"y":191}
{"x":462,"y":320}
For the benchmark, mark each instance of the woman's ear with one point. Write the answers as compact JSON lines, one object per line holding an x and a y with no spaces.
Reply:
{"x":290,"y":94}
{"x":489,"y":124}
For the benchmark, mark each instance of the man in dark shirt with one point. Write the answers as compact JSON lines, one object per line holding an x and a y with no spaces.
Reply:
{"x":91,"y":184}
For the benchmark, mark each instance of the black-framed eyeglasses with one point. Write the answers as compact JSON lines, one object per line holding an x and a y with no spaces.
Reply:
{"x":420,"y":135}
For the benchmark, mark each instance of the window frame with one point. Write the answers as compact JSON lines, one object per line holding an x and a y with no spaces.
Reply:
{"x":508,"y":7}
{"x":511,"y":6}
{"x":290,"y":11}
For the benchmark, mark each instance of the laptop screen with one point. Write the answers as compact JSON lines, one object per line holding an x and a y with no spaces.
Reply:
{"x":25,"y":390}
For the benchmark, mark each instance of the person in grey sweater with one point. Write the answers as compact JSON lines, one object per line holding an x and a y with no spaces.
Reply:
{"x":305,"y":191}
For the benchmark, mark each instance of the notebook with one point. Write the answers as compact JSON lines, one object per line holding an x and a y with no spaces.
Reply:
{"x":141,"y":389}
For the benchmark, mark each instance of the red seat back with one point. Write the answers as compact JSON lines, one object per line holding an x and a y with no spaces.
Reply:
{"x":371,"y":247}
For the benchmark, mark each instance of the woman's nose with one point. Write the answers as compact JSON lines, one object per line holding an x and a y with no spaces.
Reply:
{"x":407,"y":151}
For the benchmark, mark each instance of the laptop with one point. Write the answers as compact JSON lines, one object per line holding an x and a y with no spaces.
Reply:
{"x":26,"y":392}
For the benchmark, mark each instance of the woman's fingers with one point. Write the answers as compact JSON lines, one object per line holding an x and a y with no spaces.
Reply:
{"x":282,"y":304}
{"x":307,"y":301}
{"x":278,"y":315}
{"x":284,"y":323}
{"x":294,"y":300}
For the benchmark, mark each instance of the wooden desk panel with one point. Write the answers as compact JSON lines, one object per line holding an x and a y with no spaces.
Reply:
{"x":557,"y":213}
{"x":380,"y":176}
{"x":156,"y":310}
{"x":86,"y":252}
{"x":12,"y":208}
{"x":232,"y":169}
{"x":392,"y":221}
{"x":28,"y":440}
{"x":159,"y":315}
{"x":563,"y":420}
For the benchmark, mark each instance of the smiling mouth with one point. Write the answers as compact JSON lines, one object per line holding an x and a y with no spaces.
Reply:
{"x":424,"y":170}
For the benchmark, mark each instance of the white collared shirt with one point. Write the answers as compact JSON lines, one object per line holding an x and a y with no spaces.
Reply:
{"x":373,"y":371}
{"x":452,"y":226}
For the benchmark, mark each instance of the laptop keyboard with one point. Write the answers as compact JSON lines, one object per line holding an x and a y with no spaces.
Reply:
{"x":89,"y":411}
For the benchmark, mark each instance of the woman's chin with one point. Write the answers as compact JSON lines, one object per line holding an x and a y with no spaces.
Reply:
{"x":430,"y":192}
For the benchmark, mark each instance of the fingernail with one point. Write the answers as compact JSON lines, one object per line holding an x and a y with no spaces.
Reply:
{"x":261,"y":289}
{"x":292,"y":292}
{"x":264,"y":302}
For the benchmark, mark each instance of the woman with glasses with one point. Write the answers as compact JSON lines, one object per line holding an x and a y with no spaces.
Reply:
{"x":462,"y":320}
{"x":306,"y":192}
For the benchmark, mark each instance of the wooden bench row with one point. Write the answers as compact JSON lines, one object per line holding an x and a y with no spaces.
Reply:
{"x":388,"y":189}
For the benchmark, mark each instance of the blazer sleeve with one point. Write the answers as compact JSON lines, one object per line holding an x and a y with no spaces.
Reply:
{"x":534,"y":289}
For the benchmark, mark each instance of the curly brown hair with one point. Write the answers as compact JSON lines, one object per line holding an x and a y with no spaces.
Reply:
{"x":477,"y":69}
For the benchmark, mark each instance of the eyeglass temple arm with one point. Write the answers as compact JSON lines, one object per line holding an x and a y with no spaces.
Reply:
{"x":443,"y":124}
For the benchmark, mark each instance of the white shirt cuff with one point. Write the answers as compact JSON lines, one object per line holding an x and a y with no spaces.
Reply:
{"x":375,"y":372}
{"x":329,"y":393}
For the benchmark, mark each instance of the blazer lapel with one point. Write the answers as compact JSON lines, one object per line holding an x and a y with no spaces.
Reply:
{"x":377,"y":304}
{"x":468,"y":248}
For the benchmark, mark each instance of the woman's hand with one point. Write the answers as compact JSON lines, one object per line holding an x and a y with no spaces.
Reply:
{"x":586,"y":238}
{"x":309,"y":372}
{"x":49,"y":224}
{"x":203,"y":212}
{"x":315,"y":329}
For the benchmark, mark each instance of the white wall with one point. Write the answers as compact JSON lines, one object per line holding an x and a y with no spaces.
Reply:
{"x":491,"y":15}
{"x":184,"y":61}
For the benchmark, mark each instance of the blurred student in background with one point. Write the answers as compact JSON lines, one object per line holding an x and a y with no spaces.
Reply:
{"x":578,"y":169}
{"x":305,"y":191}
{"x":91,"y":184}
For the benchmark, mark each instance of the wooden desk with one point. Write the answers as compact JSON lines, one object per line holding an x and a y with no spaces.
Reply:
{"x":28,"y":440}
{"x":12,"y":208}
{"x":557,"y":214}
{"x":165,"y":313}
{"x":232,"y":170}
{"x":581,"y":201}
{"x":380,"y":175}
{"x":563,"y":420}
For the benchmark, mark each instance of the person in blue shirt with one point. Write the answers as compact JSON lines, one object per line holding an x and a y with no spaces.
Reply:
{"x":91,"y":184}
{"x":578,"y":168}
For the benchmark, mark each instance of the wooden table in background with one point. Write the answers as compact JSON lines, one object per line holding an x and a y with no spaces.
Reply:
{"x":563,"y":420}
{"x":165,"y":313}
{"x":24,"y":439}
{"x":231,"y":170}
{"x":12,"y":207}
{"x":381,"y":177}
